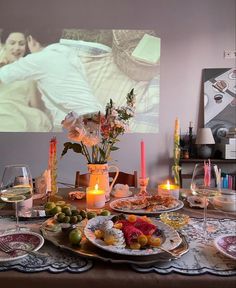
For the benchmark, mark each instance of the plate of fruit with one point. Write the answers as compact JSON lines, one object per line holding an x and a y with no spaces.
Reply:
{"x":131,"y":235}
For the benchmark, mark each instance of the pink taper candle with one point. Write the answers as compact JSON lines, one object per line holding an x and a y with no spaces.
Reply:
{"x":143,"y":160}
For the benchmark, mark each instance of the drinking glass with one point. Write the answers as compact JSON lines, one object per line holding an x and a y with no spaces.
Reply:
{"x":204,"y":184}
{"x":16,"y":186}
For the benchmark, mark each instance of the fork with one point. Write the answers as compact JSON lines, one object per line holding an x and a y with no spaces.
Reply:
{"x":7,"y":249}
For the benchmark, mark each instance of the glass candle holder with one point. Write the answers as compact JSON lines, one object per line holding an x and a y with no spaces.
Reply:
{"x":95,"y":198}
{"x":175,"y":219}
{"x":168,"y":190}
{"x":143,"y":182}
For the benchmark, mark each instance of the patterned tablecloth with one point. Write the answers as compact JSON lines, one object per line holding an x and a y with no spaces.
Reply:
{"x":201,"y":258}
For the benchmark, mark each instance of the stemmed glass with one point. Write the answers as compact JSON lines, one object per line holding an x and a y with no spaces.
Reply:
{"x":205,"y":184}
{"x":16,"y":186}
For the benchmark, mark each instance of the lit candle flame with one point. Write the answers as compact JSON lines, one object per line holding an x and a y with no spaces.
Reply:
{"x":96,"y":187}
{"x":168,"y":185}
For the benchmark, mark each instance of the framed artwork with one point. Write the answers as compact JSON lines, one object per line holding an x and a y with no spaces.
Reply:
{"x":78,"y":70}
{"x":220,"y":100}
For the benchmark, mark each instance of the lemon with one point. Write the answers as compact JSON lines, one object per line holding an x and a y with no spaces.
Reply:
{"x":75,"y":236}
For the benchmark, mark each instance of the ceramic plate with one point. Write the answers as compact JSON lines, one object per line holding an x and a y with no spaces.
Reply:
{"x":226,"y":244}
{"x":177,"y":205}
{"x":196,"y":201}
{"x":27,"y":240}
{"x":170,"y":237}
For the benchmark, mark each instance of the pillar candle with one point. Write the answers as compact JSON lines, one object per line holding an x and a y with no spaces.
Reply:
{"x":95,"y":198}
{"x":177,"y":132}
{"x":168,"y":190}
{"x":143,"y":160}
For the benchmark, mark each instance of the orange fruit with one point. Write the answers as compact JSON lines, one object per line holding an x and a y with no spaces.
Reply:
{"x":98,"y":234}
{"x":142,"y":240}
{"x":118,"y":225}
{"x":154,"y":241}
{"x":109,"y":239}
{"x":135,"y":246}
{"x":132,"y":218}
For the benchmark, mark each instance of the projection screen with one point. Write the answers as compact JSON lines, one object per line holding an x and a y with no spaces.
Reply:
{"x":44,"y":76}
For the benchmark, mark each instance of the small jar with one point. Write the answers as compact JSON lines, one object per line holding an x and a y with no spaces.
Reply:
{"x":186,"y":154}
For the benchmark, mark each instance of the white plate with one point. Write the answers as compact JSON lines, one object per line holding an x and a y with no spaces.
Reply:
{"x":226,"y":244}
{"x":171,"y":238}
{"x":27,"y":240}
{"x":179,"y":205}
{"x":196,"y":201}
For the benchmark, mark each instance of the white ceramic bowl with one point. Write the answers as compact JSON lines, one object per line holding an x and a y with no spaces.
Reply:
{"x":225,"y":203}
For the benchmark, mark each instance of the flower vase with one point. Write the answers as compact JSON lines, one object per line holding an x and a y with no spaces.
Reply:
{"x":99,"y":174}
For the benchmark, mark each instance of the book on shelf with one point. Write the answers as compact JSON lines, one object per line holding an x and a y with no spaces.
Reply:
{"x":228,"y":181}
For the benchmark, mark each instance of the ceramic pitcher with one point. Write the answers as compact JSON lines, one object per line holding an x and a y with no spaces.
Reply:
{"x":99,"y":174}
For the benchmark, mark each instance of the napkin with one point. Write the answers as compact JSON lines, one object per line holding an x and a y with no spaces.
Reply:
{"x":121,"y":190}
{"x":41,"y":185}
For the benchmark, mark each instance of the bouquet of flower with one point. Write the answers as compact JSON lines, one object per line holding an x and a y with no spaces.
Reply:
{"x":97,"y":134}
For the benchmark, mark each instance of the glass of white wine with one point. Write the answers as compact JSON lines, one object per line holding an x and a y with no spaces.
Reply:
{"x":16,"y":186}
{"x":205,"y":185}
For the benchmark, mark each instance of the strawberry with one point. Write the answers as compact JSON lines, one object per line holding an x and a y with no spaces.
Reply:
{"x":145,"y":227}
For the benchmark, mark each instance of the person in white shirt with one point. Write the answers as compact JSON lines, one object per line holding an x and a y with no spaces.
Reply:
{"x":60,"y":78}
{"x":19,"y":100}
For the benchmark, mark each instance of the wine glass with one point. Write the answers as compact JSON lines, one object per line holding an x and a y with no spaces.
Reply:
{"x":205,"y":184}
{"x":16,"y":186}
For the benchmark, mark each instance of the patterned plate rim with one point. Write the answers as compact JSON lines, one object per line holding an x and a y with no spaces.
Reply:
{"x":143,"y":211}
{"x":41,"y":242}
{"x":220,"y":249}
{"x":172,"y":238}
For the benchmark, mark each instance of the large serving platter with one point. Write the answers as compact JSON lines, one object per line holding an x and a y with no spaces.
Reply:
{"x":170,"y":238}
{"x":88,"y":250}
{"x":113,"y":205}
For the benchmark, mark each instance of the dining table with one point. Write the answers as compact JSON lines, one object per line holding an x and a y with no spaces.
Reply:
{"x":98,"y":273}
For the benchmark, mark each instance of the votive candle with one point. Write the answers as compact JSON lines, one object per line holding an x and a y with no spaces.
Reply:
{"x":95,"y":198}
{"x":168,"y":189}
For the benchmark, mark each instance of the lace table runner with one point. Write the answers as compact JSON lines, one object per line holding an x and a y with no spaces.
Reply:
{"x":58,"y":260}
{"x":201,"y":258}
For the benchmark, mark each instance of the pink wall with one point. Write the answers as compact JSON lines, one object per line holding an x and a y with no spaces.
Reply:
{"x":194,"y":35}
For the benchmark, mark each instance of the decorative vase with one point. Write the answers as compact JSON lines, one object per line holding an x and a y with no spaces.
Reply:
{"x":99,"y":174}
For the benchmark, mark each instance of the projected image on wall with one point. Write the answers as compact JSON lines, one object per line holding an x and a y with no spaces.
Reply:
{"x":45,"y":75}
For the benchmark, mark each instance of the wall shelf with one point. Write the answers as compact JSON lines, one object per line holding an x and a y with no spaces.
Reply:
{"x":187,"y":166}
